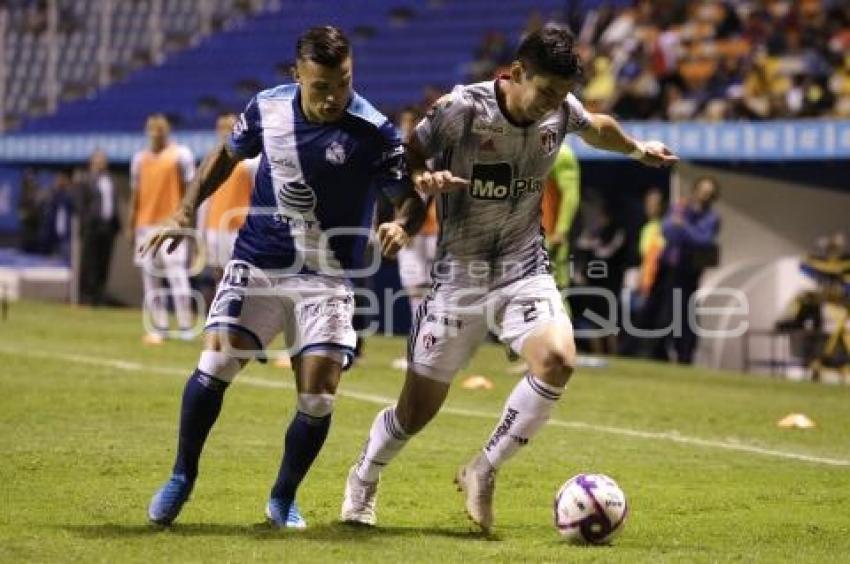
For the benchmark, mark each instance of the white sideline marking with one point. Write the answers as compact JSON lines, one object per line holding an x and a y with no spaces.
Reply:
{"x":671,"y":436}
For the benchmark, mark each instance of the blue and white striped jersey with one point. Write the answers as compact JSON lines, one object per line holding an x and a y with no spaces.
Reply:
{"x":316,"y":183}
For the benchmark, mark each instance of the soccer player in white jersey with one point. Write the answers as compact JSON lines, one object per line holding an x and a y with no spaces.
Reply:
{"x":324,"y":152}
{"x":494,"y":143}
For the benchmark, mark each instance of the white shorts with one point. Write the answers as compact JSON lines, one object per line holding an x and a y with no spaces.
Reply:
{"x":219,"y":246}
{"x":452,"y":321}
{"x":314,"y":312}
{"x":415,"y":260}
{"x":162,"y":259}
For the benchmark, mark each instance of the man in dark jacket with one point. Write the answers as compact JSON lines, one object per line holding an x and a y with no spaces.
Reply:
{"x":100,"y":223}
{"x":690,"y":230}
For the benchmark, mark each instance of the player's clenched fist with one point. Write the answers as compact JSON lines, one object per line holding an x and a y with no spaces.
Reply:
{"x":431,"y":183}
{"x":392,"y":237}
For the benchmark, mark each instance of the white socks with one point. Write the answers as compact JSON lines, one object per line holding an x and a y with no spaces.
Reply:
{"x":526,"y":411}
{"x":386,"y":439}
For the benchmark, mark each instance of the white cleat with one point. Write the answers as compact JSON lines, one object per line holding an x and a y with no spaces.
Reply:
{"x":478,"y":480}
{"x":358,"y":505}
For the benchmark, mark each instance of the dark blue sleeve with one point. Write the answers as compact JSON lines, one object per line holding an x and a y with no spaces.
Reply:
{"x":672,"y":232}
{"x":246,"y":139}
{"x":390,"y":173}
{"x":702,"y":232}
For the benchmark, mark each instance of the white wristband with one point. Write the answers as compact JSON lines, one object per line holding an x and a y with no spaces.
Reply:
{"x":638,"y":152}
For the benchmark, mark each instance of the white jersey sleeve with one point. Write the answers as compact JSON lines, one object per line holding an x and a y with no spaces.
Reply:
{"x":578,"y":117}
{"x":252,"y":165}
{"x":186,"y":162}
{"x":444,"y":123}
{"x":135,"y":170}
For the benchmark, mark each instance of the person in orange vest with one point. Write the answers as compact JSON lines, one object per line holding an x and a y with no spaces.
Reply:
{"x":224,"y":212}
{"x":158,"y":178}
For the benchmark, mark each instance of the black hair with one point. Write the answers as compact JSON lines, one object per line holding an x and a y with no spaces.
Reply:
{"x":325,"y":45}
{"x":551,"y":50}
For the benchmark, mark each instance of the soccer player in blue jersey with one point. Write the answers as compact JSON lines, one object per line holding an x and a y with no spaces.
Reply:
{"x":324,"y":152}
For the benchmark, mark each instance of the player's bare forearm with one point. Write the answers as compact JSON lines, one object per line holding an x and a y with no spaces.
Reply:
{"x":604,"y":132}
{"x":131,"y":215}
{"x":429,"y":183}
{"x":212,"y":173}
{"x":410,"y":213}
{"x":416,"y":156}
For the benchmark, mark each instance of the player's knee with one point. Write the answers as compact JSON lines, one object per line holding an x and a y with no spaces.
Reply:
{"x":555,"y":365}
{"x":235,"y":345}
{"x":316,"y":405}
{"x":219,"y":365}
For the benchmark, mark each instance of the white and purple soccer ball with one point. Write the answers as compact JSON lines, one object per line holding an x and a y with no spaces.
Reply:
{"x":590,"y":509}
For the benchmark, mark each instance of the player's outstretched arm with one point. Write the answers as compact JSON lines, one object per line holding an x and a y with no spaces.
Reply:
{"x":426,"y":181}
{"x":409,"y":216}
{"x":212,"y":173}
{"x":605,"y":133}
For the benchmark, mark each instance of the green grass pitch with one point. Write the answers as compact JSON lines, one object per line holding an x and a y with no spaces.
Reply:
{"x":87,"y":433}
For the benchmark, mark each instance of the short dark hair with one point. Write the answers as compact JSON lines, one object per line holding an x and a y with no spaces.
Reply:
{"x":325,"y":45}
{"x":551,"y":50}
{"x":715,"y":185}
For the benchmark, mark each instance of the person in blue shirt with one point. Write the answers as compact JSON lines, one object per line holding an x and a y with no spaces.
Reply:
{"x":690,"y":231}
{"x":325,"y":151}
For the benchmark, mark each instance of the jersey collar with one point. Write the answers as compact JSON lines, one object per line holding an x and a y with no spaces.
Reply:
{"x":500,"y":101}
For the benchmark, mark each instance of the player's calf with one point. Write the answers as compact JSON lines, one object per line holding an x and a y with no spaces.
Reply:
{"x":527,"y":409}
{"x":393,"y":427}
{"x":201,"y":404}
{"x":318,"y":376}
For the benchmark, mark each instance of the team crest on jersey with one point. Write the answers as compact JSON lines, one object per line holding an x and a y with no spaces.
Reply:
{"x":335,"y":153}
{"x":428,"y":341}
{"x":548,"y":140}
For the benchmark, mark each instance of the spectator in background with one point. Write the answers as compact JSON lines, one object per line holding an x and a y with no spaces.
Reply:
{"x":651,"y":242}
{"x":650,"y":247}
{"x":603,"y":245}
{"x":100,"y":222}
{"x":158,"y":178}
{"x":58,"y":222}
{"x":30,"y":212}
{"x":713,"y":59}
{"x":690,"y":231}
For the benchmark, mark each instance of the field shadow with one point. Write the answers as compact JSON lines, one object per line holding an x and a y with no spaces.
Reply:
{"x":338,"y":532}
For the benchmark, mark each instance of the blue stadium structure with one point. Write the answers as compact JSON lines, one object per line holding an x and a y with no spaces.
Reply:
{"x":401,"y":46}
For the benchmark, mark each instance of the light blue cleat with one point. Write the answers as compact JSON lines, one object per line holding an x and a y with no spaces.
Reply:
{"x":168,"y":501}
{"x":284,"y":515}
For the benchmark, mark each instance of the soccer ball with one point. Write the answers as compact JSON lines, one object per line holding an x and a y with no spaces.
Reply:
{"x":590,"y":508}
